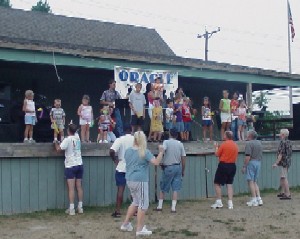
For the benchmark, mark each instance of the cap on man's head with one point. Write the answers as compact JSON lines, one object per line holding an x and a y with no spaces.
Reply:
{"x":111,"y":81}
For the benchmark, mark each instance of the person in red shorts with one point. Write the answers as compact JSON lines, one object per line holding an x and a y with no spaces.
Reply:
{"x":227,"y":153}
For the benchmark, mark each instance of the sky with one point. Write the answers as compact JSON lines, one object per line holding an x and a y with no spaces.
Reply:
{"x":252,"y":32}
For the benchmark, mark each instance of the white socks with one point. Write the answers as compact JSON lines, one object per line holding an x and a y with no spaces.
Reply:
{"x":174,"y":202}
{"x":72,"y":206}
{"x":80,"y":204}
{"x":160,"y":203}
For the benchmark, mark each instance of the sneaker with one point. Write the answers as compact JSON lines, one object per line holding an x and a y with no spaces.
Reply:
{"x":230,"y":205}
{"x":252,"y":203}
{"x":127,"y":228}
{"x":80,"y":210}
{"x":217,"y":205}
{"x":100,"y":141}
{"x":26,"y":141}
{"x":105,"y":141}
{"x":71,"y":212}
{"x":260,"y":202}
{"x":31,"y":141}
{"x":144,"y":232}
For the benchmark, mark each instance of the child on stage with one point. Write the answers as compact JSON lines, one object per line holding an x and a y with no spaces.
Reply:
{"x":57,"y":116}
{"x":30,"y":116}
{"x":104,"y":125}
{"x":207,"y":122}
{"x":85,"y":112}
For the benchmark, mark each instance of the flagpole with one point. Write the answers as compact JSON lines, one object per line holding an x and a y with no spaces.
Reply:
{"x":290,"y":61}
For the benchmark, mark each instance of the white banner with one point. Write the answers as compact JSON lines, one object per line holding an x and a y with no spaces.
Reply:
{"x":127,"y":77}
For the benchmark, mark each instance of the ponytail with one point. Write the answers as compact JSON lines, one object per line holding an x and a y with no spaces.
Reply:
{"x":141,"y":143}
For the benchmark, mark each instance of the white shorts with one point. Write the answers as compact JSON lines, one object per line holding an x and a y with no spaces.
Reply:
{"x":84,"y":122}
{"x":284,"y":172}
{"x":225,"y":117}
{"x":150,"y":110}
{"x":111,"y":137}
{"x":140,"y":194}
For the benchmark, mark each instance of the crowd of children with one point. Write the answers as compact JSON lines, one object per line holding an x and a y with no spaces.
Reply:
{"x":178,"y":113}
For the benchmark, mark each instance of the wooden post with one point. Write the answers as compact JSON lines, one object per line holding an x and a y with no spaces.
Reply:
{"x":249,"y":96}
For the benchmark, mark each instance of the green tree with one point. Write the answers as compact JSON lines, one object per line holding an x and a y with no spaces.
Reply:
{"x":261,"y":100}
{"x":5,"y":3}
{"x":42,"y":6}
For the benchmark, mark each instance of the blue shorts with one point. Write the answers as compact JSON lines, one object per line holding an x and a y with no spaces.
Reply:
{"x":169,"y":125}
{"x":252,"y":170}
{"x":171,"y":178}
{"x":187,"y":126}
{"x":75,"y":172}
{"x":30,"y":119}
{"x":179,"y":127}
{"x":241,"y":122}
{"x":206,"y":123}
{"x":120,"y":178}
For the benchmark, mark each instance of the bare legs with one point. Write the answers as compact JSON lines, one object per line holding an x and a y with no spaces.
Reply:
{"x":285,"y":186}
{"x":28,"y":131}
{"x":71,"y":190}
{"x":219,"y":191}
{"x":140,"y":216}
{"x":119,"y":199}
{"x":206,"y":128}
{"x":254,"y":189}
{"x":225,"y":127}
{"x":85,"y":133}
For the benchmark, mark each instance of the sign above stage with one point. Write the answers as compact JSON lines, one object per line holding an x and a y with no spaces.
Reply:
{"x":127,"y":77}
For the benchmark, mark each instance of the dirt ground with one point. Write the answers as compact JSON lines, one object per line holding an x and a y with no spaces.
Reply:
{"x":194,"y":219}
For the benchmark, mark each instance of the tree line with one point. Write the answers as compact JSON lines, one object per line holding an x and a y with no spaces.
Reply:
{"x":41,"y":6}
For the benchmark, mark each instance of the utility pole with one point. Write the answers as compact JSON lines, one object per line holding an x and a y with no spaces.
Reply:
{"x":207,"y":35}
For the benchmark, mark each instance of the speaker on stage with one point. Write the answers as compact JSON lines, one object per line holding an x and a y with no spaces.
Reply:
{"x":295,"y":133}
{"x":4,"y":111}
{"x":9,"y":133}
{"x":5,"y":91}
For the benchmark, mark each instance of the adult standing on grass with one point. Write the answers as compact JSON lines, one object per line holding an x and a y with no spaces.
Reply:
{"x":137,"y":160}
{"x":73,"y":167}
{"x":227,"y":153}
{"x":284,"y":159}
{"x":173,"y":165}
{"x":108,"y":98}
{"x":119,"y":147}
{"x":252,"y":165}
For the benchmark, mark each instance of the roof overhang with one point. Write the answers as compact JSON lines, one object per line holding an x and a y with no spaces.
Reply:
{"x":107,"y":60}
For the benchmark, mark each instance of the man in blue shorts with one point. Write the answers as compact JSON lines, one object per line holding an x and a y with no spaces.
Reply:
{"x":73,"y":167}
{"x":173,"y":165}
{"x":117,"y":152}
{"x":251,"y":168}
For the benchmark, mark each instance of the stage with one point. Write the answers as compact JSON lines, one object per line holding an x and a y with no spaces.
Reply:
{"x":32,"y":175}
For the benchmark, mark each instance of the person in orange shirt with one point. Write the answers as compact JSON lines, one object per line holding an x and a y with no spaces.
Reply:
{"x":227,"y":153}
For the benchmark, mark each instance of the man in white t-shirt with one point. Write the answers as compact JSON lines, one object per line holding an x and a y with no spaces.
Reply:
{"x":73,"y":167}
{"x":117,"y":152}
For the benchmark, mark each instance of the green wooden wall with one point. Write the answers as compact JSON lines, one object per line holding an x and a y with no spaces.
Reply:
{"x":36,"y":184}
